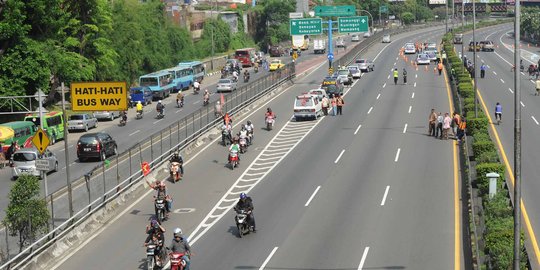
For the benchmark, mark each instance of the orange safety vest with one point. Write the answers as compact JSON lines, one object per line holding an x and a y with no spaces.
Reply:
{"x":462,"y":125}
{"x":440,"y":66}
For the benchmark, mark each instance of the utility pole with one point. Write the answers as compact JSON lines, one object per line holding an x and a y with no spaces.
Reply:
{"x":462,"y":27}
{"x":474,"y":59}
{"x":66,"y":154}
{"x":517,"y":140}
{"x":446,"y":15}
{"x":212,"y":33}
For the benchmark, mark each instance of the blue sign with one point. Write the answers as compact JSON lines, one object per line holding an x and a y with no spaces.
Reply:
{"x":330,"y":56}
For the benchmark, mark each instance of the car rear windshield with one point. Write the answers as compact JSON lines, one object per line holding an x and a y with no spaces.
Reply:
{"x":361,"y":61}
{"x":224,"y":81}
{"x":88,"y":140}
{"x":304,"y":102}
{"x":76,"y":117}
{"x":353,"y":68}
{"x":330,"y":88}
{"x":343,"y":72}
{"x":24,"y":157}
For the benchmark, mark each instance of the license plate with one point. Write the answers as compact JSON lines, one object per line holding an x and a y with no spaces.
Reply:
{"x":87,"y":149}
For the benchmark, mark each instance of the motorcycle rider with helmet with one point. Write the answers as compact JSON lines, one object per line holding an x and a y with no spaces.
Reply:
{"x":160,"y":108}
{"x":161,"y":191}
{"x":139,"y":107}
{"x":206,"y":96}
{"x":246,"y":203}
{"x":235,"y":147}
{"x":155,"y":228}
{"x":176,"y":157}
{"x":180,"y":245}
{"x":250,"y":129}
{"x":158,"y":251}
{"x":180,"y":99}
{"x":269,"y":115}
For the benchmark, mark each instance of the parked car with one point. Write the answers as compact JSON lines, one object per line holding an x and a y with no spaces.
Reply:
{"x":355,"y":71}
{"x":96,"y":145}
{"x":142,"y":94}
{"x":276,"y":64}
{"x":81,"y":121}
{"x":106,"y":115}
{"x":386,"y":38}
{"x":24,"y":162}
{"x":487,"y":46}
{"x":307,"y":106}
{"x":410,"y":48}
{"x":226,"y":85}
{"x":345,"y":76}
{"x":332,"y":86}
{"x":365,"y":65}
{"x":276,"y":51}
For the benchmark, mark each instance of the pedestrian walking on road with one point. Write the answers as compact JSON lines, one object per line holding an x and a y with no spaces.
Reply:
{"x":439,"y":68}
{"x":334,"y":105}
{"x":431,"y":122}
{"x":483,"y":69}
{"x":324,"y":103}
{"x":455,"y":123}
{"x":439,"y":129}
{"x":446,"y":125}
{"x":461,"y":129}
{"x":340,"y":102}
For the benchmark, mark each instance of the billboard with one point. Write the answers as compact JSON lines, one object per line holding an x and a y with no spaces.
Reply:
{"x":99,"y":96}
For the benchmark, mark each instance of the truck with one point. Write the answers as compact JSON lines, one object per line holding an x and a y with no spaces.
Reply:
{"x":297,"y":42}
{"x":319,"y":46}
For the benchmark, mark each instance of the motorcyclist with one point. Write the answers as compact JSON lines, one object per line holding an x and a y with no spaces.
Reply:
{"x":256,"y":66}
{"x":246,"y":75}
{"x":158,"y":251}
{"x":180,"y":245}
{"x":250,"y":128}
{"x":180,"y":99}
{"x":217,"y":109}
{"x":176,"y":157}
{"x":206,"y":96}
{"x":246,"y":203}
{"x":139,"y":107}
{"x":161,"y":191}
{"x":123,"y":115}
{"x":243,"y":134}
{"x":269,"y":114}
{"x":154,"y":228}
{"x":235,"y":75}
{"x":227,"y":129}
{"x":196,"y":86}
{"x":160,"y":107}
{"x":235,"y":147}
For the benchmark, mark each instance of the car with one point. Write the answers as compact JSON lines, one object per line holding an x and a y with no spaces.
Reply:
{"x":332,"y":86}
{"x":307,"y":106}
{"x":340,"y":43}
{"x":386,"y":38}
{"x":410,"y":48}
{"x":81,"y":121}
{"x":367,"y":34}
{"x":355,"y":37}
{"x":345,"y":76}
{"x":431,"y":46}
{"x":106,"y":115}
{"x":422,"y":59}
{"x":142,"y":94}
{"x":96,"y":145}
{"x":365,"y":65}
{"x":319,"y":92}
{"x":487,"y":46}
{"x":355,"y":71}
{"x":276,"y":51}
{"x":226,"y":85}
{"x":24,"y":162}
{"x":432,"y":55}
{"x":276,"y":64}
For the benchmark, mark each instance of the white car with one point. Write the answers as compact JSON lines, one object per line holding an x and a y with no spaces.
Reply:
{"x":24,"y":162}
{"x":422,"y":59}
{"x":307,"y":106}
{"x":355,"y":71}
{"x":410,"y":49}
{"x":367,"y":34}
{"x":386,"y":38}
{"x":431,"y":54}
{"x":365,"y":65}
{"x":355,"y":37}
{"x":340,"y":43}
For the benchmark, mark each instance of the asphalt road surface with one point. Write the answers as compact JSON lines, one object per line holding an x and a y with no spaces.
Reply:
{"x":365,"y":190}
{"x":498,"y":86}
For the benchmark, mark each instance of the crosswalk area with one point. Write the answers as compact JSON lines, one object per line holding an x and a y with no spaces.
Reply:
{"x":288,"y":138}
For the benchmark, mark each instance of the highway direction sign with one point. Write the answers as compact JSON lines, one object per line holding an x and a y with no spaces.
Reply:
{"x":353,"y":24}
{"x":327,"y":11}
{"x":312,"y":26}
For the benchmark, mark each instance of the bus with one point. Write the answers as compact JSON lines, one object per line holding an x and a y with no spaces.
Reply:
{"x":19,"y":131}
{"x":245,"y":56}
{"x":159,"y":82}
{"x":196,"y":70}
{"x":181,"y":79}
{"x":53,"y":124}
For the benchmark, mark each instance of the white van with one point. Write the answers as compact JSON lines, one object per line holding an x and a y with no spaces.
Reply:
{"x":307,"y":106}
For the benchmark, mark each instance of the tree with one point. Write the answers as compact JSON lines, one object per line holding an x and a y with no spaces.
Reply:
{"x":27,"y":215}
{"x":407,"y":17}
{"x":270,"y":27}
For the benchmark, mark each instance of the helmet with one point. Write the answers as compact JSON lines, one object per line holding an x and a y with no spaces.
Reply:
{"x":243,"y":195}
{"x":139,"y":102}
{"x":159,"y":101}
{"x":217,"y":102}
{"x":177,"y":231}
{"x":243,"y":127}
{"x":249,"y":123}
{"x":154,"y":222}
{"x":268,"y":109}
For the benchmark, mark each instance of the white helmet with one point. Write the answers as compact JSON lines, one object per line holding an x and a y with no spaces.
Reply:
{"x":159,"y":101}
{"x":177,"y":231}
{"x":139,"y":102}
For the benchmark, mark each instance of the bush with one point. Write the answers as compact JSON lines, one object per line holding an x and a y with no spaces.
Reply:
{"x":488,"y":157}
{"x":498,"y":206}
{"x":466,"y":93}
{"x":469,"y":107}
{"x":482,"y":181}
{"x":480,"y":147}
{"x":476,"y":125}
{"x":481,"y":136}
{"x":499,"y":237}
{"x":469,"y":100}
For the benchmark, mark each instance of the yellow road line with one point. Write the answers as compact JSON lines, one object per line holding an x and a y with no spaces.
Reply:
{"x":511,"y":174}
{"x":457,"y":227}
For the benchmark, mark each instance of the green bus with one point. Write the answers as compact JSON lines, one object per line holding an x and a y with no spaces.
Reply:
{"x":53,"y":124}
{"x":19,"y":131}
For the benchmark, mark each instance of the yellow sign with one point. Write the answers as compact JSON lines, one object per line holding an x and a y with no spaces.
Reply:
{"x":99,"y":96}
{"x":330,"y":71}
{"x":329,"y":82}
{"x":41,"y":140}
{"x":295,"y":55}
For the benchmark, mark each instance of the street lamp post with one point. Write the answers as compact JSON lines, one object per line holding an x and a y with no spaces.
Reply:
{"x":474,"y":59}
{"x":212,"y":33}
{"x":517,"y":139}
{"x":462,"y":27}
{"x":446,"y":15}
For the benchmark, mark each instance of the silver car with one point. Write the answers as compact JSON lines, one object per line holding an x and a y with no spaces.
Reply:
{"x":365,"y":65}
{"x":81,"y":121}
{"x":24,"y":162}
{"x":226,"y":85}
{"x":106,"y":115}
{"x":355,"y":71}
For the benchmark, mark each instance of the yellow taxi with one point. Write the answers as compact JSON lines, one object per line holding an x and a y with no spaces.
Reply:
{"x":276,"y":64}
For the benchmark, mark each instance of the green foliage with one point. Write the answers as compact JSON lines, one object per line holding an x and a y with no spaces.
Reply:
{"x":498,"y":206}
{"x":270,"y":26}
{"x":480,"y":147}
{"x":477,"y":125}
{"x":499,"y":239}
{"x":407,"y":18}
{"x":466,"y":92}
{"x":26,"y":214}
{"x":484,"y":168}
{"x":488,"y":157}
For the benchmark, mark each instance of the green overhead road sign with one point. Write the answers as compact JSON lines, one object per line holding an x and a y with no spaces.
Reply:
{"x":312,"y":26}
{"x":328,"y":11}
{"x":383,"y":9}
{"x":353,"y":24}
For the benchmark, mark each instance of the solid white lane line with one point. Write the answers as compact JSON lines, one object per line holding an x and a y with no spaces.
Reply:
{"x":378,"y":96}
{"x":416,"y":75}
{"x":388,"y":77}
{"x":178,"y":111}
{"x":410,"y":108}
{"x":534,"y":120}
{"x":70,"y":146}
{"x":412,"y":96}
{"x":405,"y":128}
{"x":384,"y":196}
{"x":363,"y":260}
{"x":510,"y":89}
{"x":268,"y":258}
{"x":397,"y":155}
{"x":502,"y":80}
{"x":357,"y":129}
{"x":522,"y":105}
{"x":72,"y":163}
{"x":135,"y":132}
{"x":370,"y":110}
{"x":397,"y":58}
{"x":340,"y":154}
{"x":494,"y":72}
{"x":312,"y":195}
{"x":61,"y":149}
{"x":394,"y":63}
{"x":414,"y":84}
{"x":157,"y":121}
{"x":384,"y":85}
{"x":482,"y":60}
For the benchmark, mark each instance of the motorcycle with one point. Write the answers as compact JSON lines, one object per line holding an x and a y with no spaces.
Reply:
{"x":250,"y":137}
{"x":246,"y":78}
{"x":175,"y":171}
{"x":196,"y":90}
{"x":242,"y":223}
{"x":233,"y":159}
{"x":177,"y":261}
{"x":225,"y":137}
{"x":160,"y":206}
{"x":206,"y":100}
{"x":269,"y":123}
{"x":139,"y":115}
{"x":150,"y":256}
{"x":160,"y":115}
{"x":123,"y":120}
{"x":243,"y":145}
{"x":180,"y":102}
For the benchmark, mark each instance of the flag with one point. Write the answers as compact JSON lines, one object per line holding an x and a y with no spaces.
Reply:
{"x":145,"y":168}
{"x":107,"y":163}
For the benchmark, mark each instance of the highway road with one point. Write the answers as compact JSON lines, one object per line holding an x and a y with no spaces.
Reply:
{"x":368,"y":189}
{"x":498,"y":86}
